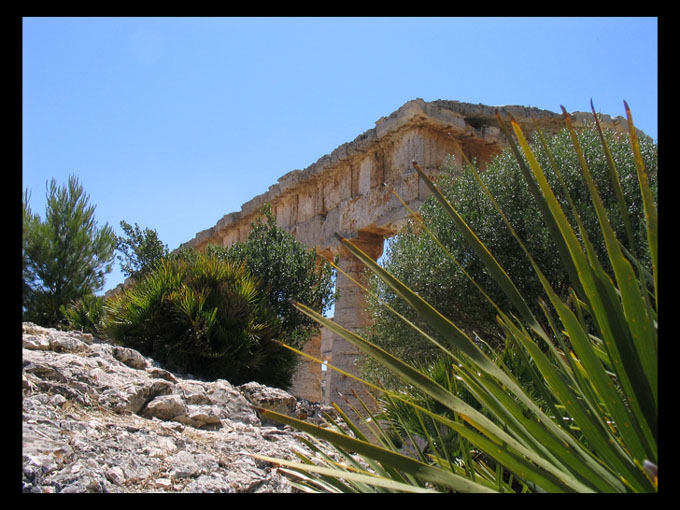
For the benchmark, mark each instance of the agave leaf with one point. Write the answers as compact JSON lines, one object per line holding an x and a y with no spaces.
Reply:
{"x":383,"y":470}
{"x":615,"y":182}
{"x":555,"y":212}
{"x":566,"y":370}
{"x":598,"y":438}
{"x":519,"y":465}
{"x":634,"y":345}
{"x":407,"y":372}
{"x":379,"y":469}
{"x":388,"y":394}
{"x":552,"y":223}
{"x":534,"y":434}
{"x":445,"y":397}
{"x":403,"y":463}
{"x":536,"y":327}
{"x":448,"y":254}
{"x":363,"y":478}
{"x":321,"y":481}
{"x":647,"y":200}
{"x":592,"y":453}
{"x":634,"y":303}
{"x":547,"y":287}
{"x":456,"y":337}
{"x":498,"y":273}
{"x":313,"y":485}
{"x":539,"y":330}
{"x":600,"y":380}
{"x":391,"y":309}
{"x":627,"y":368}
{"x":564,"y":223}
{"x":602,"y":298}
{"x":446,"y":329}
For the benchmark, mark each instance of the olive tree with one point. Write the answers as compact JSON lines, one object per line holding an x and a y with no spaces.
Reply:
{"x":418,"y":261}
{"x":140,"y":250}
{"x":289,"y":272}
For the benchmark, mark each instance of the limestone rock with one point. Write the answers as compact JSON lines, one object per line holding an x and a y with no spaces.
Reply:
{"x":130,"y":357}
{"x":100,"y":418}
{"x":273,"y":399}
{"x":165,"y":407}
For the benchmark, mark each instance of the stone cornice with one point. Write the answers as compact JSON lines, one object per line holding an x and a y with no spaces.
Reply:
{"x":463,"y":121}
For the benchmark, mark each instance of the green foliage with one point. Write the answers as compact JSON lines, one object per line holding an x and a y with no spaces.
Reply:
{"x":66,"y":256}
{"x":587,"y":421}
{"x":198,"y":314}
{"x":288,"y":271}
{"x":415,"y":257}
{"x":86,"y":314}
{"x":206,"y":314}
{"x":407,"y":424}
{"x":30,"y":224}
{"x":140,"y":249}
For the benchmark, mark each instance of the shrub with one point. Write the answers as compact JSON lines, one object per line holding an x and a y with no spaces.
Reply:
{"x":288,"y":272}
{"x":66,"y":256}
{"x":198,"y":314}
{"x":86,"y":314}
{"x":140,"y":249}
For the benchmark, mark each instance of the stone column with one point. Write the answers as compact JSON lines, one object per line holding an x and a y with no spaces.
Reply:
{"x":308,"y":378}
{"x":350,"y":313}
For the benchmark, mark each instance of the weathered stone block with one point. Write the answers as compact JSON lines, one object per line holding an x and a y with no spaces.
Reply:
{"x":365,"y":172}
{"x":349,"y":190}
{"x":166,"y":407}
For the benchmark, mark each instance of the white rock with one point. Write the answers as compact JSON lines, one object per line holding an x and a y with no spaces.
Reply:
{"x":57,"y":400}
{"x":115,"y":475}
{"x":130,"y":357}
{"x":163,"y":483}
{"x":95,"y":423}
{"x":34,"y":342}
{"x":166,"y":407}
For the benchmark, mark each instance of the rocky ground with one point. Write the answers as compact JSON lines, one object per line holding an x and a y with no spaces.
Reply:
{"x":103,"y":418}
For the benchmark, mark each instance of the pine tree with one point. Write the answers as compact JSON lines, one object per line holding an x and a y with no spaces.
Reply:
{"x":66,"y":256}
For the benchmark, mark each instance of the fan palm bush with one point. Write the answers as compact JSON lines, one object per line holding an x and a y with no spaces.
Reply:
{"x":589,"y":421}
{"x":86,"y":314}
{"x":197,"y":314}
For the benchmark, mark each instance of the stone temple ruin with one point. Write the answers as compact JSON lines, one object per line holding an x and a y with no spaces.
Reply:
{"x":349,"y":192}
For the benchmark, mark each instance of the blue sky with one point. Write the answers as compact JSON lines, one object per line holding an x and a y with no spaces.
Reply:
{"x":171,"y":123}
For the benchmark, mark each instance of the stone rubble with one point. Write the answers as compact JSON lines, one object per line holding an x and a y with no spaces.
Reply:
{"x":103,"y":418}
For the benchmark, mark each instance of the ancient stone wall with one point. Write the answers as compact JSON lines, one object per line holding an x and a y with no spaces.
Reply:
{"x":349,"y":192}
